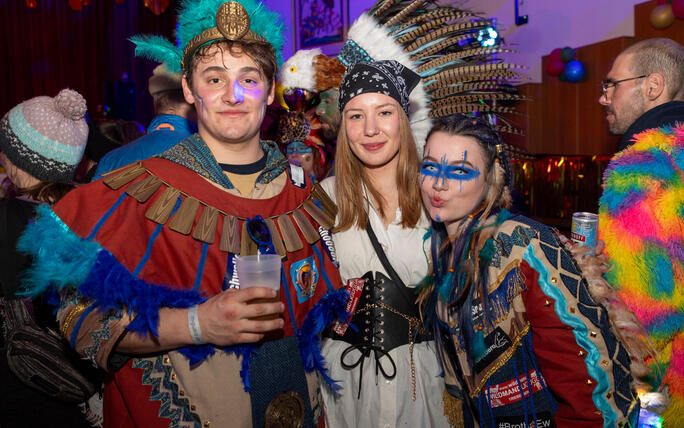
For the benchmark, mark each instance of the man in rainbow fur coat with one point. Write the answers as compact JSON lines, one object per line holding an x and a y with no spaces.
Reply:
{"x":641,"y":214}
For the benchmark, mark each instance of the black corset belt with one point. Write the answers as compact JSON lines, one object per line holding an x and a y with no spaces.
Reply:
{"x":386,"y":317}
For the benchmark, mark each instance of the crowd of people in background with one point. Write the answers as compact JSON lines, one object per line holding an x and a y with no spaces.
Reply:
{"x":411,"y":293}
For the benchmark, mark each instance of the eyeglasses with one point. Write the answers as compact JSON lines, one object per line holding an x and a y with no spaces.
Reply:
{"x":612,"y":83}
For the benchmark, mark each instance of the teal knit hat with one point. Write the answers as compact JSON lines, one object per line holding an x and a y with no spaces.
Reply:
{"x":201,"y":22}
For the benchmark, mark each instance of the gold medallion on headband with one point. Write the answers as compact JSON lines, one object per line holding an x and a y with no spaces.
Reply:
{"x":232,"y":20}
{"x":232,"y":23}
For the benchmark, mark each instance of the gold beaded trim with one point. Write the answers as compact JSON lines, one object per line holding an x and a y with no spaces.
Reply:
{"x":70,"y":317}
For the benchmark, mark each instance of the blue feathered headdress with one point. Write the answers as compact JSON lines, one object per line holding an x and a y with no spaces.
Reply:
{"x":196,"y":16}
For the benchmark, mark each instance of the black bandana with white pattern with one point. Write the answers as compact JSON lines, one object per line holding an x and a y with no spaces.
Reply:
{"x":385,"y":77}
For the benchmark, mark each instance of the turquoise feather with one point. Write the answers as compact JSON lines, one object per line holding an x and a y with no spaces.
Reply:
{"x":487,"y":252}
{"x":478,"y":348}
{"x":445,"y":286}
{"x":158,"y":49}
{"x":61,"y":259}
{"x":195,"y":16}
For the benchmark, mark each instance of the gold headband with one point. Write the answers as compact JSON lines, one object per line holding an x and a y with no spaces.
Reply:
{"x":232,"y":23}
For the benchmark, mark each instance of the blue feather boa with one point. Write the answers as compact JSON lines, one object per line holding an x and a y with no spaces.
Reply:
{"x":112,"y":286}
{"x":330,"y":308}
{"x":61,"y":259}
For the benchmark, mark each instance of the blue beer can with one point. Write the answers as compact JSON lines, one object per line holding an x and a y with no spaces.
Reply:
{"x":585,"y":229}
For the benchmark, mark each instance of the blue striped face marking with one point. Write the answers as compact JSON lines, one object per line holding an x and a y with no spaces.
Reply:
{"x":445,"y":171}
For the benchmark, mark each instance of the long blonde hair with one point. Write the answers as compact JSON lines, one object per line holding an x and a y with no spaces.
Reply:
{"x":351,"y":177}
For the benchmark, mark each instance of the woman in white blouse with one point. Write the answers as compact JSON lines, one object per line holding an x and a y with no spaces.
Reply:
{"x":384,"y":362}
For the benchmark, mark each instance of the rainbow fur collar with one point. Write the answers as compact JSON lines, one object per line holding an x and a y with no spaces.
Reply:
{"x":641,"y":221}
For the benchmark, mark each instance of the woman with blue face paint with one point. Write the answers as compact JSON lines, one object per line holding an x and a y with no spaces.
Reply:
{"x":521,"y":340}
{"x":384,"y":362}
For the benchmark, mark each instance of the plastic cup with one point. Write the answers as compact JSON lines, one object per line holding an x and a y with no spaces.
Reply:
{"x":261,"y":270}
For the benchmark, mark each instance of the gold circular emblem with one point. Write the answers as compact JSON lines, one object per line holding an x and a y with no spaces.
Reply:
{"x":286,"y":410}
{"x":232,"y":20}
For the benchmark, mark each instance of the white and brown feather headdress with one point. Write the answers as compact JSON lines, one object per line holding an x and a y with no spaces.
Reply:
{"x":443,"y":44}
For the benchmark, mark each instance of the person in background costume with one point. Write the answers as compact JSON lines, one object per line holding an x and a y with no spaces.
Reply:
{"x":145,"y":257}
{"x":309,"y":77}
{"x":41,"y":143}
{"x":300,"y":133}
{"x":385,"y":364}
{"x":328,"y":113}
{"x":521,"y":339}
{"x":641,"y":211}
{"x":174,"y":121}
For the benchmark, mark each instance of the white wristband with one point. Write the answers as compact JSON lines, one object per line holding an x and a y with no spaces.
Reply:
{"x":194,"y":326}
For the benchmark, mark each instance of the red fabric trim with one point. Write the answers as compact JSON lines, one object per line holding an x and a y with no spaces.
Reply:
{"x":558,"y":359}
{"x":135,"y":409}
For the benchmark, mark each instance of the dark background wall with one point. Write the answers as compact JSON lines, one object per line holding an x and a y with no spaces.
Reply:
{"x":47,"y":48}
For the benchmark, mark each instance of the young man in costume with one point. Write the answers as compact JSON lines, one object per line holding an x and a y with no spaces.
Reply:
{"x":641,"y":211}
{"x":146,"y":255}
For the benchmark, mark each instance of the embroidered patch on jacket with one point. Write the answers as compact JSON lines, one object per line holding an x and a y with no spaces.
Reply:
{"x":523,"y":235}
{"x":505,"y":393}
{"x":520,"y":237}
{"x":497,"y":342}
{"x":544,"y":420}
{"x":304,"y":275}
{"x":507,"y":289}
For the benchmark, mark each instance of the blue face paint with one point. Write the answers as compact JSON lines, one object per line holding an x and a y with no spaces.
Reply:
{"x":201,"y":101}
{"x":444,"y":171}
{"x":238,"y":92}
{"x":298,"y":147}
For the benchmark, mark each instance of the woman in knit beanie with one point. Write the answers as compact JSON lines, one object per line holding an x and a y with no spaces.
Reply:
{"x":41,"y":143}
